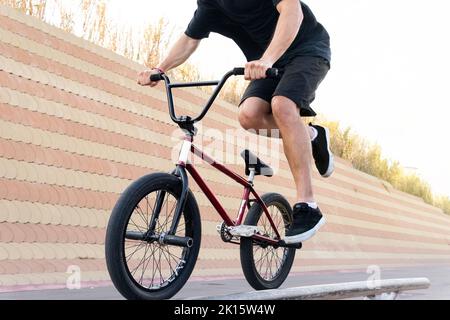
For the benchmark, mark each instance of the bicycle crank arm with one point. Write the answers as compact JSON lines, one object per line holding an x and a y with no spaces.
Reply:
{"x":164,"y":239}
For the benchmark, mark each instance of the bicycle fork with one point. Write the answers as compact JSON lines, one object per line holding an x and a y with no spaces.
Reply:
{"x":170,"y":237}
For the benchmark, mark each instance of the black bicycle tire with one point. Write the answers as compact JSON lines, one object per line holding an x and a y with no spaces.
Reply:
{"x":117,"y":225}
{"x":246,"y":248}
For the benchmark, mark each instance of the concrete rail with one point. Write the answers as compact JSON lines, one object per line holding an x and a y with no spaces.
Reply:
{"x":383,"y":289}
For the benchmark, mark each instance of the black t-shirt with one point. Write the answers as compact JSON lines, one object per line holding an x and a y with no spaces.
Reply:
{"x":251,"y":24}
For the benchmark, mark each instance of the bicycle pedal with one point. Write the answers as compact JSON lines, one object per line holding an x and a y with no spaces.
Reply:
{"x":243,"y":231}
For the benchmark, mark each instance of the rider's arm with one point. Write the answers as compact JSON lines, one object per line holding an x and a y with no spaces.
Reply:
{"x":199,"y":28}
{"x":288,"y":26}
{"x":289,"y":22}
{"x":178,"y":54}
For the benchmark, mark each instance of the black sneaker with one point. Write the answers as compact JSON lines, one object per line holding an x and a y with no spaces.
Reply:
{"x":307,"y":221}
{"x":321,"y":152}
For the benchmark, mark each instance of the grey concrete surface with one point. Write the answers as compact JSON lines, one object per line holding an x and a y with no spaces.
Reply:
{"x":439,"y":277}
{"x":347,"y":290}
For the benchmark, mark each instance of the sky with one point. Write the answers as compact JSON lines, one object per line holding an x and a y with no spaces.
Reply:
{"x":389,"y":79}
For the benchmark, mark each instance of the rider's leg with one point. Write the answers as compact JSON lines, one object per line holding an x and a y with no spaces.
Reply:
{"x":297,"y":145}
{"x":283,"y":114}
{"x":256,"y":114}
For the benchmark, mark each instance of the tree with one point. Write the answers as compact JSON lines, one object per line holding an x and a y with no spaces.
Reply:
{"x":35,"y":8}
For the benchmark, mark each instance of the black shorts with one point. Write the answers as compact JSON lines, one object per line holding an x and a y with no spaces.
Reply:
{"x":299,"y":82}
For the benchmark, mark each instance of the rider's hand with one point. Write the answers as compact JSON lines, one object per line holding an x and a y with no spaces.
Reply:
{"x":144,"y":78}
{"x":257,"y":69}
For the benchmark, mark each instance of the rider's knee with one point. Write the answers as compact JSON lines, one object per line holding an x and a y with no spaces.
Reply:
{"x":249,"y":114}
{"x":284,"y":109}
{"x":247,"y":119}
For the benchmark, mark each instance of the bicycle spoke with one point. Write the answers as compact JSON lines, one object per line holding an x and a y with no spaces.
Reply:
{"x":269,"y":266}
{"x":268,"y":262}
{"x":143,"y":269}
{"x":169,"y":261}
{"x":137,"y":227}
{"x":140,"y":263}
{"x":273,"y":264}
{"x":141,"y":214}
{"x":156,"y":266}
{"x":261,"y":266}
{"x":181,"y":230}
{"x":151,"y":255}
{"x":167,"y":248}
{"x":262,"y":256}
{"x":277,"y":260}
{"x":161,"y":278}
{"x":262,"y":259}
{"x":154,"y":270}
{"x":256,"y":250}
{"x":168,"y":215}
{"x":147,"y":211}
{"x":134,"y":245}
{"x":138,"y":247}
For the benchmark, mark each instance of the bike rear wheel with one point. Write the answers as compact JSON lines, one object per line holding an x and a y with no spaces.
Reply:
{"x":266,"y":267}
{"x":143,"y":269}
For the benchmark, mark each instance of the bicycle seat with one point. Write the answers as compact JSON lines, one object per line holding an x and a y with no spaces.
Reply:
{"x":253,"y":162}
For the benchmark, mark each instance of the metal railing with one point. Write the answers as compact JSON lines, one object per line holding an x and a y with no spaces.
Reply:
{"x":381,"y":290}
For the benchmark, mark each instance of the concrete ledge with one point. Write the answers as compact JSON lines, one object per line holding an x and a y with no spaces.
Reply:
{"x":331,"y":291}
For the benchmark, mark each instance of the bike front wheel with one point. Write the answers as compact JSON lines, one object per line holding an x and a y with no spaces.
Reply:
{"x":266,"y":267}
{"x":142,"y":267}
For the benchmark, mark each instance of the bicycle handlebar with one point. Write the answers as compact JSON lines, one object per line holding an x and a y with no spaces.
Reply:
{"x":271,"y":73}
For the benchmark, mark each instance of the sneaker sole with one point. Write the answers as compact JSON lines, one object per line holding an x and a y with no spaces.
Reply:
{"x":307,"y":235}
{"x":330,"y":169}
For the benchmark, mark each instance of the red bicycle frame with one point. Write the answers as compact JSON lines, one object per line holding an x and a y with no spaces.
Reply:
{"x":189,"y":147}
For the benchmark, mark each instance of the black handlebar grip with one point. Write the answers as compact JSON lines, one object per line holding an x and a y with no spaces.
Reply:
{"x":239,"y":71}
{"x":270,"y":73}
{"x":156,"y":77}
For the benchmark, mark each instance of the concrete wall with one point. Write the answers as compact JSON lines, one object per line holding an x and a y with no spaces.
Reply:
{"x":75,"y":130}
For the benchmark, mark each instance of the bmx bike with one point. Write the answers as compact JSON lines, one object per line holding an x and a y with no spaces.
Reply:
{"x":154,"y":233}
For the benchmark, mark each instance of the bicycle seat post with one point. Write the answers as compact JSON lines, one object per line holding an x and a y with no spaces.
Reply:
{"x":251,"y":177}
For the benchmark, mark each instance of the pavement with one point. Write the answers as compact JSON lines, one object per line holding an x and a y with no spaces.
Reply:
{"x":438,"y":275}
